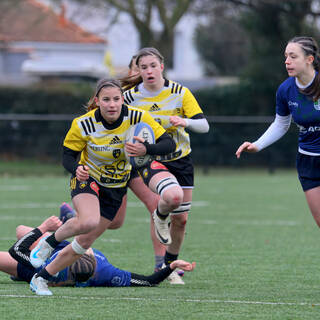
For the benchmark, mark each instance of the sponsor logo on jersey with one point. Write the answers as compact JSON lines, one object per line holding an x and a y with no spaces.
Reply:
{"x":309,"y":129}
{"x":94,"y":187}
{"x":154,"y":107}
{"x":100,"y":148}
{"x":116,"y":153}
{"x":293,"y":104}
{"x":157,"y":165}
{"x":115,"y":140}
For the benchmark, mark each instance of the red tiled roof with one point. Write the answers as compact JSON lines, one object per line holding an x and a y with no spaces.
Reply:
{"x":29,"y":20}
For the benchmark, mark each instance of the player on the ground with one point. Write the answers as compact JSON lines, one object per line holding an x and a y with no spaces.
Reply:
{"x":91,"y":270}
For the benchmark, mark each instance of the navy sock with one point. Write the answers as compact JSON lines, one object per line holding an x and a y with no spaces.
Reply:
{"x":43,"y":273}
{"x":52,"y":241}
{"x":169,"y":257}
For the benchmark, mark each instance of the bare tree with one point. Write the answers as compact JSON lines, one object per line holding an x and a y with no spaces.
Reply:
{"x":143,"y":13}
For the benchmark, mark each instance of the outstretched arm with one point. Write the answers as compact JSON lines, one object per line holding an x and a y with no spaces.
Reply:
{"x":138,"y":280}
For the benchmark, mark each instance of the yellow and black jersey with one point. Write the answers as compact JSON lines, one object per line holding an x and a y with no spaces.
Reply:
{"x":173,"y":100}
{"x":102,"y":144}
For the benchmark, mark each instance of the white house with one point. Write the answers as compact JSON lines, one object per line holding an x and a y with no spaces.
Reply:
{"x":41,"y":43}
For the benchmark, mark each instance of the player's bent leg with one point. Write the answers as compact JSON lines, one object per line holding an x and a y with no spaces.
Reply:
{"x":40,"y":253}
{"x":177,"y":231}
{"x":171,"y":195}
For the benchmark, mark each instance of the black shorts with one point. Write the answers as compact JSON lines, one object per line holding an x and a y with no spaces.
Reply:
{"x":110,"y":199}
{"x":133,"y":174}
{"x":308,"y":168}
{"x":183,"y":170}
{"x":151,"y":169}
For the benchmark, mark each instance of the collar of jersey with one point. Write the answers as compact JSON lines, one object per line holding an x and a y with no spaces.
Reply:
{"x":116,"y":124}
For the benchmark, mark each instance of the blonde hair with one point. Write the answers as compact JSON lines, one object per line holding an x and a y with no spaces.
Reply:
{"x":103,"y":83}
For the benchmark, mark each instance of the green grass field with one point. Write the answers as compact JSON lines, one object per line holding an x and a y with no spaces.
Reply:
{"x":251,"y":234}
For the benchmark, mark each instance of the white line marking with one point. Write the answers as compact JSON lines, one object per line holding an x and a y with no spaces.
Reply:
{"x":310,"y":304}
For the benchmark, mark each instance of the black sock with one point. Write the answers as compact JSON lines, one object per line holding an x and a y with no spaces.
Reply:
{"x":52,"y":241}
{"x":169,"y":257}
{"x":160,"y":215}
{"x":43,"y":273}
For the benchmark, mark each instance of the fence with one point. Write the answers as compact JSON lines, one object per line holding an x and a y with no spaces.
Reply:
{"x":41,"y":136}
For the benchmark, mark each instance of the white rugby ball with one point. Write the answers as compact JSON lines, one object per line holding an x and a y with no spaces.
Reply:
{"x":144,"y":131}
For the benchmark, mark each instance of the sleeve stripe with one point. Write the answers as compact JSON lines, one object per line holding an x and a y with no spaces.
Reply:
{"x":172,"y":89}
{"x":128,"y":97}
{"x":84,"y":128}
{"x":135,"y":116}
{"x":88,"y":126}
{"x":92,"y":125}
{"x":176,"y":88}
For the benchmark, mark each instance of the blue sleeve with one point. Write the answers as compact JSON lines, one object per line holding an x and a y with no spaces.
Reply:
{"x":282,"y":108}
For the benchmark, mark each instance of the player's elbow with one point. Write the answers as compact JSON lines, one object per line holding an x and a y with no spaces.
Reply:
{"x":205,"y":128}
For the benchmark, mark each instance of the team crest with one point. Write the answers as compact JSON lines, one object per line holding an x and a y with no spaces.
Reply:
{"x":316,"y":104}
{"x":82,"y":184}
{"x":145,"y":173}
{"x":116,"y":153}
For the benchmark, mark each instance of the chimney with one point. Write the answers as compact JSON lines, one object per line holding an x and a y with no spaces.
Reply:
{"x":62,"y":19}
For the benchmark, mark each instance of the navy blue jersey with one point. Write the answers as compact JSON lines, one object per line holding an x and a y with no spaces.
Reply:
{"x":305,"y":113}
{"x":106,"y":275}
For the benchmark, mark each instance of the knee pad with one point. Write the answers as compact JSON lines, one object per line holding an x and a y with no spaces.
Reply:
{"x":77,"y":248}
{"x":184,"y":207}
{"x":166,"y":183}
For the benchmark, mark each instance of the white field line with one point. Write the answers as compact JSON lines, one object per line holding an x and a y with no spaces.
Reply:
{"x":213,"y":301}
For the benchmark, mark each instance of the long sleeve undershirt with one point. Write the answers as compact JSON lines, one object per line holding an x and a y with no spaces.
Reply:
{"x":276,"y":130}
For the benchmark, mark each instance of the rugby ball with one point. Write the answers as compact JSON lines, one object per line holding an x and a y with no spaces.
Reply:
{"x":144,"y":131}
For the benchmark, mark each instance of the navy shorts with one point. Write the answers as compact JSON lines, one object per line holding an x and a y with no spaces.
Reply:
{"x":308,"y":168}
{"x":110,"y":199}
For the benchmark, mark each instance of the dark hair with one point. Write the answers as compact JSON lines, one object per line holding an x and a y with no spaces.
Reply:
{"x":148,"y":52}
{"x":131,"y":81}
{"x":103,"y":83}
{"x":82,"y":269}
{"x":131,"y":61}
{"x":310,"y":47}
